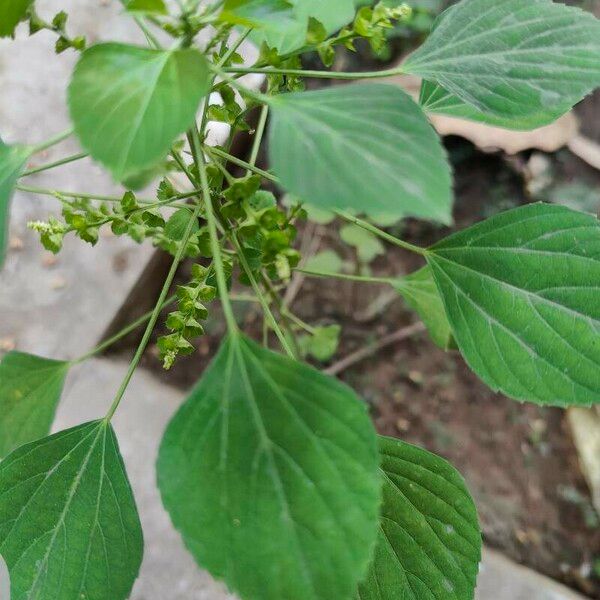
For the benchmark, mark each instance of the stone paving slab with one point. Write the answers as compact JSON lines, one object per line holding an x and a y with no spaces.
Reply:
{"x":502,"y":579}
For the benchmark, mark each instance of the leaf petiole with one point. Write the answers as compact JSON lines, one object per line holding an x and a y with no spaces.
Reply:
{"x":53,"y":141}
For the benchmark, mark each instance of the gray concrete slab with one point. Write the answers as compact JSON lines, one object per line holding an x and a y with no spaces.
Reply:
{"x":79,"y":291}
{"x":502,"y":579}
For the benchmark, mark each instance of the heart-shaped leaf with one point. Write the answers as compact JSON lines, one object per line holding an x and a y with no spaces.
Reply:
{"x":270,"y":472}
{"x":129,"y":104}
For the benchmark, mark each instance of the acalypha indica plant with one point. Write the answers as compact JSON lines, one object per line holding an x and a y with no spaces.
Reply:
{"x":271,"y":470}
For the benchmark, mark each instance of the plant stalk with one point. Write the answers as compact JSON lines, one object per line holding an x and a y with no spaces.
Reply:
{"x":153,"y":317}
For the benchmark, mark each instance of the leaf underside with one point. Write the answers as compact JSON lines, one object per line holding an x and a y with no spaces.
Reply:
{"x":365,"y":147}
{"x":69,"y":526}
{"x":269,"y":471}
{"x":129,"y":104}
{"x":512,"y":59}
{"x":522,"y":292}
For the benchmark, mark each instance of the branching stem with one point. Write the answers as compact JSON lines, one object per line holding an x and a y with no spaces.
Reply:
{"x":154,"y":316}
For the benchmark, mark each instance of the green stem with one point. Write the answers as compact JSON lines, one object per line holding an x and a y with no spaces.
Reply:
{"x":222,"y":73}
{"x":214,"y":236}
{"x":285,"y":315}
{"x":240,"y":163}
{"x":382,"y":234}
{"x":56,"y":163}
{"x":150,"y":37}
{"x":153,"y":317}
{"x":261,"y":297}
{"x":179,"y":160}
{"x":258,"y":136}
{"x":100,"y":198}
{"x":344,"y":276}
{"x":315,"y":74}
{"x":121,"y":334}
{"x":52,"y":141}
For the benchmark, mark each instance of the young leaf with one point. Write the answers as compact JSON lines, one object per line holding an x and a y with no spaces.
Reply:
{"x":365,"y":147}
{"x":129,"y":104}
{"x":327,"y":261}
{"x":70,"y":528}
{"x":283,"y":24}
{"x":267,"y":15}
{"x":367,"y":245}
{"x":12,"y":162}
{"x":322,"y":343}
{"x":435,"y":99}
{"x":513,"y":59}
{"x":178,"y":223}
{"x":30,"y":389}
{"x":152,"y":7}
{"x":270,"y":473}
{"x":421,"y":294}
{"x":521,"y":291}
{"x":429,"y":541}
{"x":11,"y":12}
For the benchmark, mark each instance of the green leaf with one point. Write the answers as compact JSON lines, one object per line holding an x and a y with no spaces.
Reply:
{"x":429,"y":541}
{"x":435,"y":99}
{"x":129,"y":104}
{"x":521,"y":292}
{"x":421,"y":294}
{"x":333,"y":14}
{"x":513,"y":59}
{"x":30,"y":389}
{"x":262,"y":14}
{"x":70,"y":528}
{"x":11,"y":13}
{"x":12,"y":163}
{"x":269,"y":471}
{"x":323,"y":343}
{"x":177,"y":224}
{"x":367,"y":245}
{"x":284,"y":24}
{"x":364,"y":147}
{"x":152,"y":7}
{"x":327,"y":261}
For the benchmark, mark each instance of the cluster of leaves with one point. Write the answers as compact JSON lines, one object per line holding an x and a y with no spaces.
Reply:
{"x":271,"y":470}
